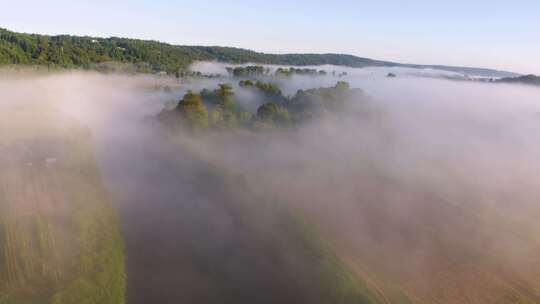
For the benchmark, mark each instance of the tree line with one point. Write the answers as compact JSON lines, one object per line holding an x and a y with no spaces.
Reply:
{"x":65,"y":51}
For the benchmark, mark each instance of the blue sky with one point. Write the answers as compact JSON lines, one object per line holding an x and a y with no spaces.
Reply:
{"x":496,"y":34}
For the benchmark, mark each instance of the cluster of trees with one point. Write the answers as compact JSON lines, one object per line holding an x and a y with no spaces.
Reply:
{"x":256,"y":71}
{"x":291,"y":71}
{"x":209,"y":109}
{"x":307,"y":103}
{"x":527,"y":79}
{"x":339,"y":74}
{"x":273,"y":113}
{"x":248,"y":71}
{"x":216,"y":109}
{"x":195,"y":74}
{"x":269,"y":91}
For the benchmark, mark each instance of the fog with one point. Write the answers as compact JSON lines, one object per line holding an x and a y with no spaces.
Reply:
{"x":418,"y":182}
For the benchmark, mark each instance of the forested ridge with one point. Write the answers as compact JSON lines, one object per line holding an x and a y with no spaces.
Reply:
{"x":65,"y":51}
{"x":527,"y":79}
{"x":83,"y":52}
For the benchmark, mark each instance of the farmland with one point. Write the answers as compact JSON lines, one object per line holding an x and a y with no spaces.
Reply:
{"x":58,"y":237}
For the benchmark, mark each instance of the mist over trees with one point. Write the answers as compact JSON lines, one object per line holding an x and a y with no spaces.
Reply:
{"x":527,"y":79}
{"x":142,"y":172}
{"x":216,"y":109}
{"x":297,"y":71}
{"x":193,"y":112}
{"x":271,"y":189}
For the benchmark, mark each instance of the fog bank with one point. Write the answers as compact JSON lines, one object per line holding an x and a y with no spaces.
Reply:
{"x":423,"y":183}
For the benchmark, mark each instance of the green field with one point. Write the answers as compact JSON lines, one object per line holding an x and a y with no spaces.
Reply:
{"x":59,"y":236}
{"x":59,"y":241}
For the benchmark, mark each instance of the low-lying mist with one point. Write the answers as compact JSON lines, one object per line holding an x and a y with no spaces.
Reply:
{"x":427,"y":184}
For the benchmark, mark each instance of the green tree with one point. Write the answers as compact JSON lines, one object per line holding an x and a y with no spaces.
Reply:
{"x":282,"y":116}
{"x":230,"y":119}
{"x":267,"y":111}
{"x":343,"y":85}
{"x":244,"y":118}
{"x":246,"y":83}
{"x":193,"y":111}
{"x":225,"y":94}
{"x":216,"y":119}
{"x":272,"y":113}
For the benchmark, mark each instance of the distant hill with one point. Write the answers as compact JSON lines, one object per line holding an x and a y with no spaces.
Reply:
{"x":66,"y":51}
{"x":527,"y":79}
